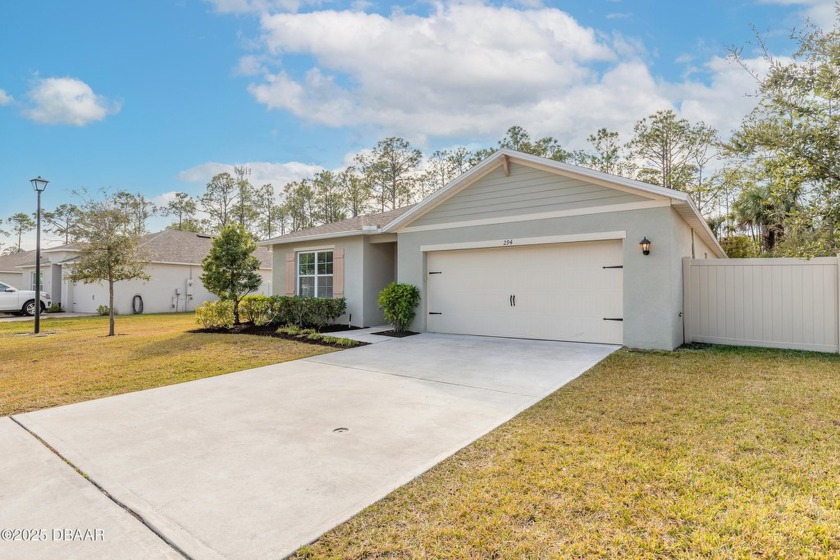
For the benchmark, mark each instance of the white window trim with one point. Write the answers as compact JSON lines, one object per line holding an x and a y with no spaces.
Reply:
{"x":298,"y":275}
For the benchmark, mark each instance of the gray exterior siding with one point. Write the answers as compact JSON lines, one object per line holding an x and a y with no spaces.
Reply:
{"x":526,"y":191}
{"x":652,"y":284}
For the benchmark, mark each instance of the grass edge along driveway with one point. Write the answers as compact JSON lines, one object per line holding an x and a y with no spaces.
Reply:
{"x":74,"y":361}
{"x":714,"y":452}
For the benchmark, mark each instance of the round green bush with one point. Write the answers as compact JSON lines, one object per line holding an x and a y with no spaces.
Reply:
{"x":398,"y":302}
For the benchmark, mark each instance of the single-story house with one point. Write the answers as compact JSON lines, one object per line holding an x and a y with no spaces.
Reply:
{"x":174,"y":267}
{"x":13,"y":275}
{"x":518,"y":246}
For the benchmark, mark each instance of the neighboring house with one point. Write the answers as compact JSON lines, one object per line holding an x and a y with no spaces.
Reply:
{"x":13,"y":275}
{"x":175,"y":267}
{"x":518,"y":246}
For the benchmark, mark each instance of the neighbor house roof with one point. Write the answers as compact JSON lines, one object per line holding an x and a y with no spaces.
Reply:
{"x":174,"y":247}
{"x":361,"y":225}
{"x":12,"y":263}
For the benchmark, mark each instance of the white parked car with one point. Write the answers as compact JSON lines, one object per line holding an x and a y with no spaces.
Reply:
{"x":13,"y":300}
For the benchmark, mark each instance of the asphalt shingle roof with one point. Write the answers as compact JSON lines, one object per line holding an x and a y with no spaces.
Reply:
{"x":346,"y":226}
{"x":9,"y":263}
{"x":173,"y":246}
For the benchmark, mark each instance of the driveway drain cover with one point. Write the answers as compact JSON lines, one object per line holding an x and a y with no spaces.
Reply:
{"x":339,"y":430}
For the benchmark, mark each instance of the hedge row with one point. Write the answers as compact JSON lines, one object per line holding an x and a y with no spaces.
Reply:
{"x":276,"y":310}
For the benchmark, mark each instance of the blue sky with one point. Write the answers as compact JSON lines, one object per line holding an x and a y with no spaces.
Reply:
{"x":156,"y":96}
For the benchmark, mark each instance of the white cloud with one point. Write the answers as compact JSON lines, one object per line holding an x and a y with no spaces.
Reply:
{"x":262,"y":172}
{"x":729,"y":96}
{"x":5,"y":98}
{"x":250,"y":65}
{"x":439,"y":74}
{"x":258,"y":6}
{"x":820,"y":12}
{"x":67,"y":101}
{"x":471,"y":70}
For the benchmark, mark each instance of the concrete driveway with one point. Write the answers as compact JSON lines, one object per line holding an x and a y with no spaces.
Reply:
{"x":256,"y":463}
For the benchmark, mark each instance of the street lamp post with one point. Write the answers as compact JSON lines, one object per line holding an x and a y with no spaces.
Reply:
{"x":39,"y":185}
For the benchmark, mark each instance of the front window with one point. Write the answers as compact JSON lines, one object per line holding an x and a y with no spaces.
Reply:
{"x":32,"y":277}
{"x":315,"y":274}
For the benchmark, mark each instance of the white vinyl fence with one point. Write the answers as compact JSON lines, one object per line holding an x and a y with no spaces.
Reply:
{"x":776,"y":303}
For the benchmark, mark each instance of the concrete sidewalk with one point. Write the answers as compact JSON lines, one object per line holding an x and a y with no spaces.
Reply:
{"x":58,"y":513}
{"x":255,"y":464}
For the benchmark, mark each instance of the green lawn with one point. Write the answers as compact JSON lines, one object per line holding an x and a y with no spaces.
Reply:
{"x":711,"y":453}
{"x":75,"y":360}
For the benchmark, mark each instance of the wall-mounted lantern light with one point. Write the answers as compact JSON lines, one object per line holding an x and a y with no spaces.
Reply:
{"x":645,"y":245}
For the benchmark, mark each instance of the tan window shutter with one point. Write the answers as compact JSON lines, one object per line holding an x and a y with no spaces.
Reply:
{"x":338,"y":273}
{"x":290,"y":274}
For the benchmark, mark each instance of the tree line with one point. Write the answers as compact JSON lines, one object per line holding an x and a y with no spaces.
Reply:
{"x":770,"y":189}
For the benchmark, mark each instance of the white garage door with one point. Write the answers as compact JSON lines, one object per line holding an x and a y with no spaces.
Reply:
{"x":565,"y":291}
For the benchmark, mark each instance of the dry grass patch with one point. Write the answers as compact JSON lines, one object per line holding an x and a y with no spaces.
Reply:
{"x":712,"y":453}
{"x":75,"y":361}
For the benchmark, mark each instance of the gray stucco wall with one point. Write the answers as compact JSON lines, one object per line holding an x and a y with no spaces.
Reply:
{"x":380,"y":270}
{"x":368,"y":267}
{"x":13,"y":279}
{"x":652,"y":303}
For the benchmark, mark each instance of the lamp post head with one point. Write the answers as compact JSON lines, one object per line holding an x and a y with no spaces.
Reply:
{"x":39,"y":184}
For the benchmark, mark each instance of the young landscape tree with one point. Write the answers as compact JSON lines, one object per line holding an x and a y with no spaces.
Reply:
{"x":230,"y":270}
{"x":111,"y":249}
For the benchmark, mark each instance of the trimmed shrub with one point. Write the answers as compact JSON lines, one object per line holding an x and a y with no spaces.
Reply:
{"x":398,"y":302}
{"x":310,"y":335}
{"x":215,"y":314}
{"x":308,"y":311}
{"x":259,"y":310}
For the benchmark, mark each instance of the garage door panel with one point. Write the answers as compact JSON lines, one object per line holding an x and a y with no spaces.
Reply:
{"x":562,"y":291}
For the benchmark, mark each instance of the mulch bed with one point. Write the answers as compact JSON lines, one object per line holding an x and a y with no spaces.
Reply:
{"x":269,"y":330}
{"x":396,"y":334}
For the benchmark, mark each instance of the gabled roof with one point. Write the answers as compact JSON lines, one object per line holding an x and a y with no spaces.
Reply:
{"x":395,"y":220}
{"x":174,"y":247}
{"x":681,"y":202}
{"x":361,"y":225}
{"x":12,"y":263}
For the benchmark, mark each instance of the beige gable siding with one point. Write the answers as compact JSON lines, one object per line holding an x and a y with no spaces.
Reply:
{"x":526,"y":191}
